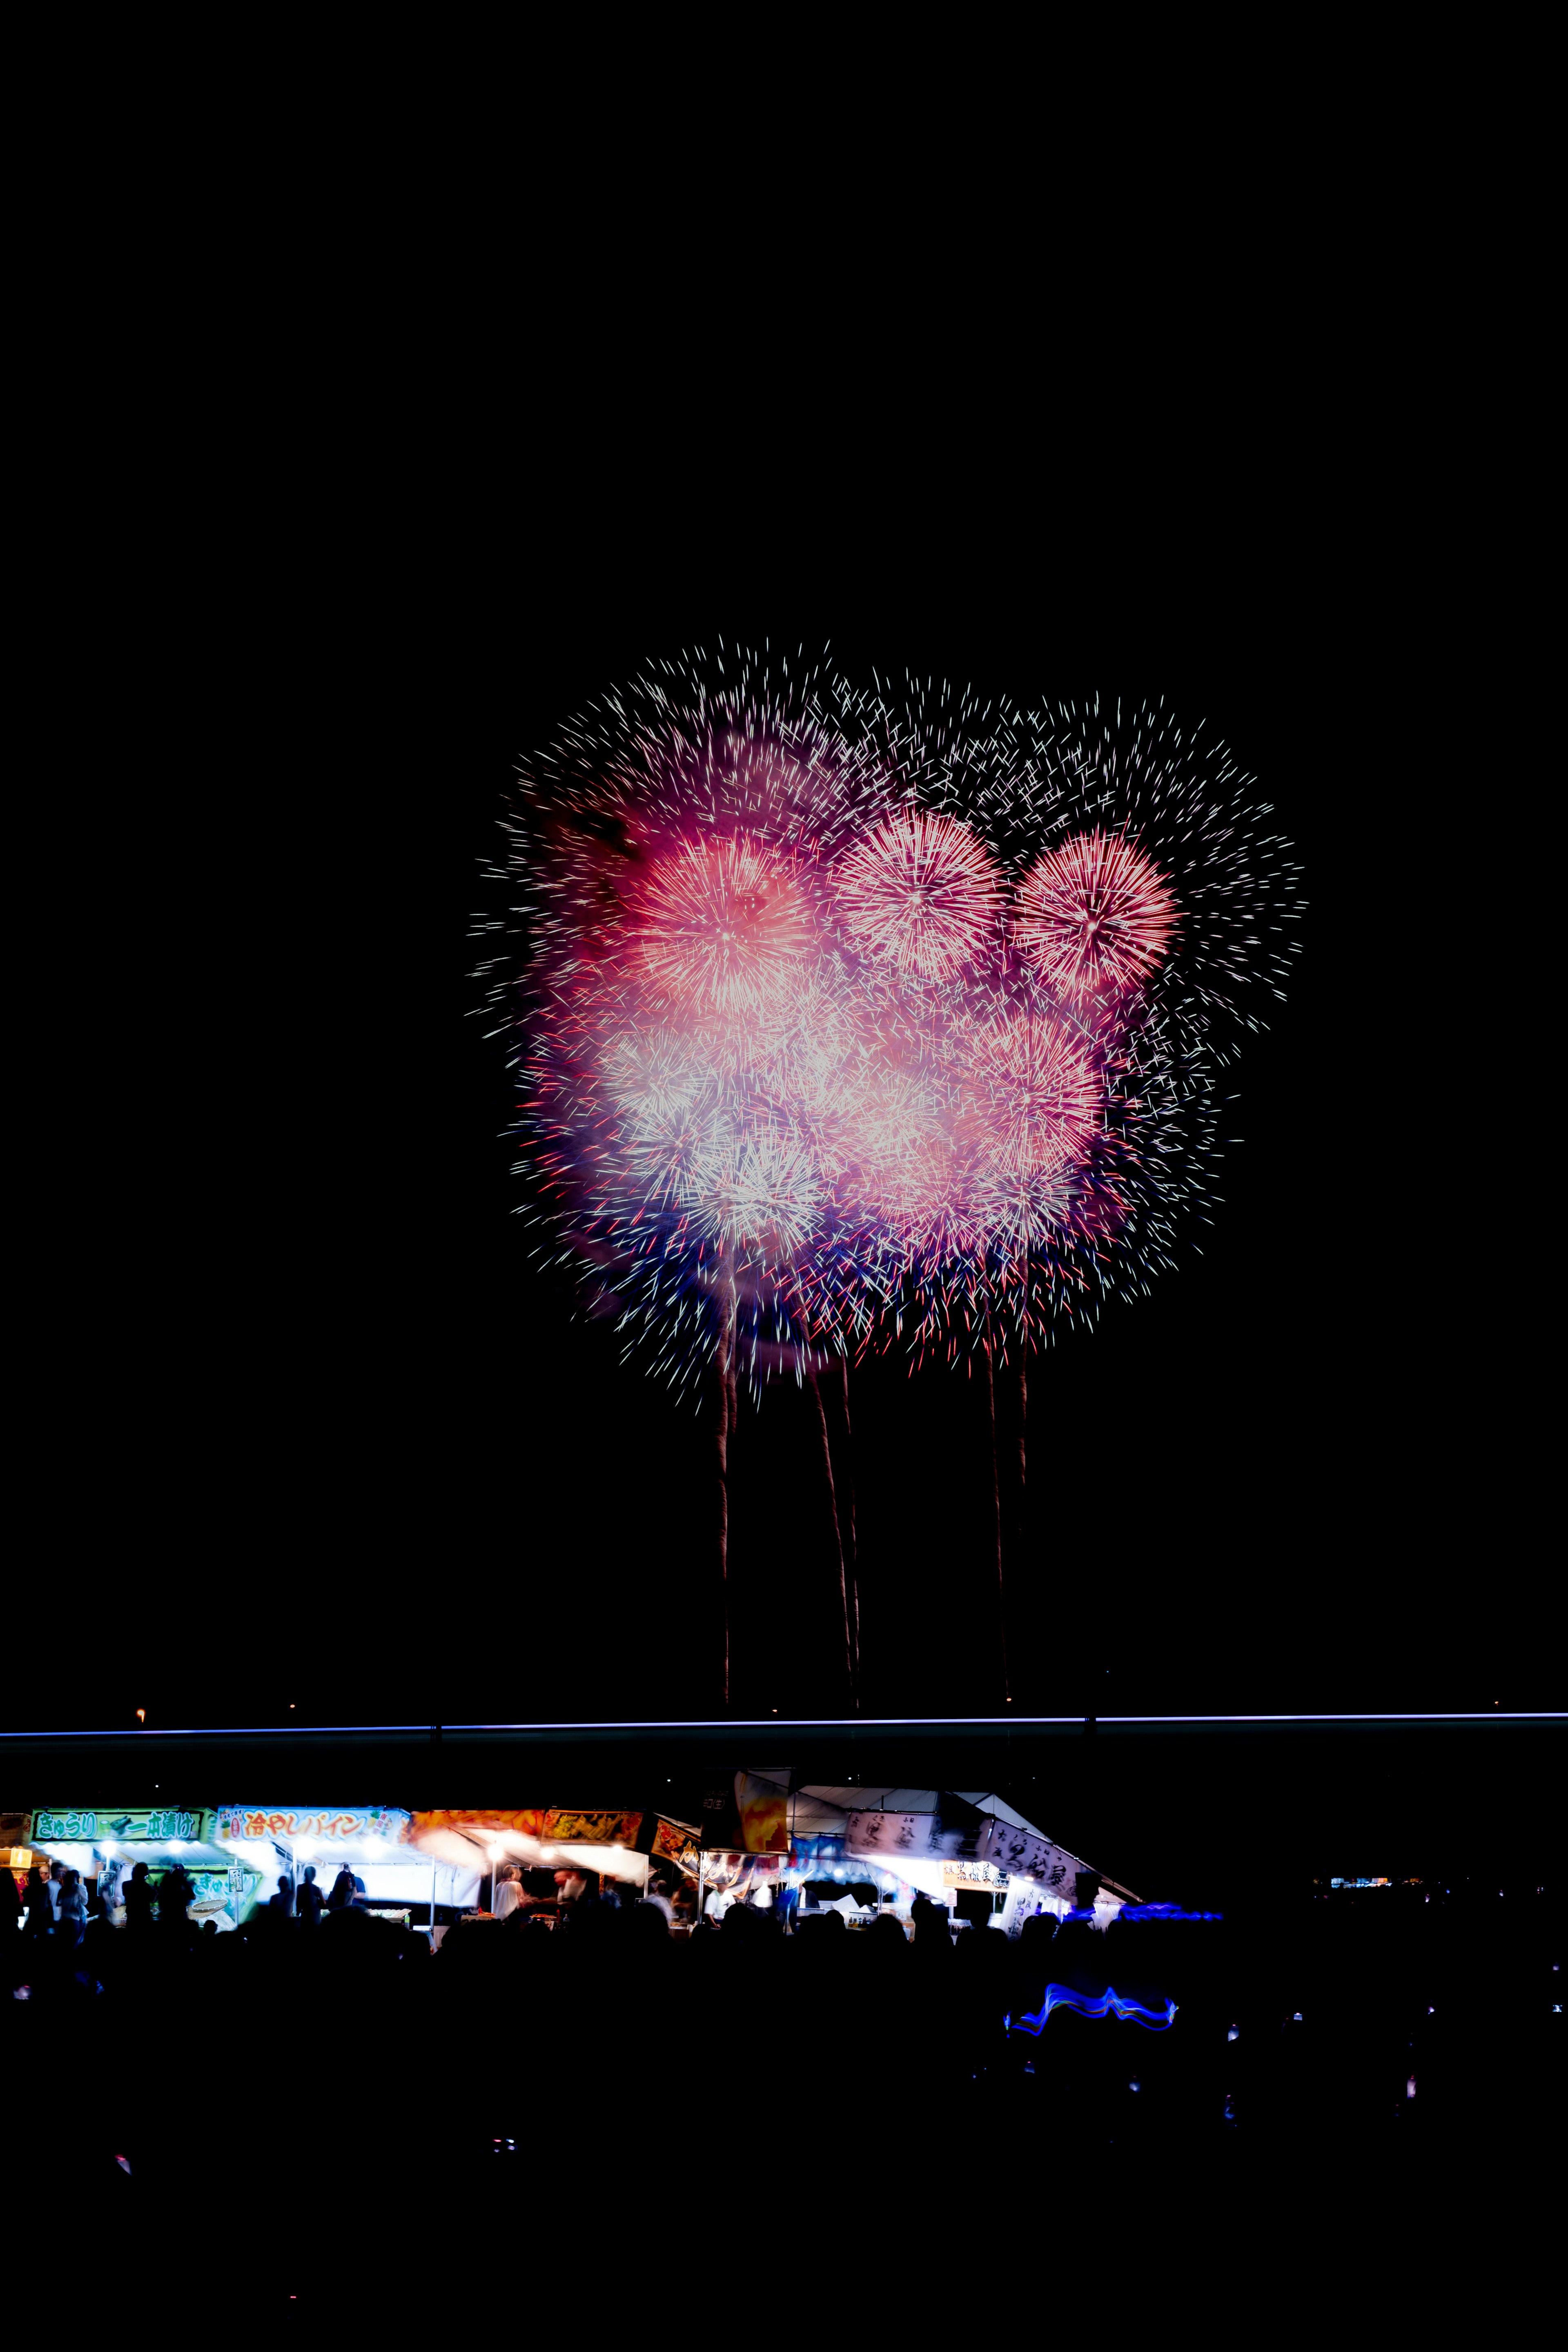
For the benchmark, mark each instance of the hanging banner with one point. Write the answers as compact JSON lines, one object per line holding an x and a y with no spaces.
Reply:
{"x":955,"y":1833}
{"x":747,"y":1815}
{"x":468,"y":1821}
{"x":958,"y":1833}
{"x":673,"y":1842}
{"x":562,"y":1828}
{"x":1022,"y":1855}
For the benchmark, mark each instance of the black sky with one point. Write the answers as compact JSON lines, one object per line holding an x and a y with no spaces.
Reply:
{"x":348,"y":1450}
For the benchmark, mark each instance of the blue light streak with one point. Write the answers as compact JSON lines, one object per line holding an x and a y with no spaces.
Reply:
{"x":1163,"y":1911}
{"x":1106,"y":2004}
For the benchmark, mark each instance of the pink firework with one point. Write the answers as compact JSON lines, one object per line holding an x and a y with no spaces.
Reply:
{"x":922,"y":892}
{"x":1094,"y":915}
{"x":722,"y":926}
{"x":1035,"y":1097}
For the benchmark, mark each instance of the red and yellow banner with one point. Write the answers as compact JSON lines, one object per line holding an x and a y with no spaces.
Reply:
{"x":551,"y":1825}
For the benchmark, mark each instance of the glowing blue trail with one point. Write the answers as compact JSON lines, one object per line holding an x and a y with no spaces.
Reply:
{"x":1106,"y":2004}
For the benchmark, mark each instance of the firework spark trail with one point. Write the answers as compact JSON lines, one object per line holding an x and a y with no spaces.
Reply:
{"x":850,"y":1617}
{"x":848,"y":1019}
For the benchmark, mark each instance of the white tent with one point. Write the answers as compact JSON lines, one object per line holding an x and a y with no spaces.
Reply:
{"x":904,"y":1829}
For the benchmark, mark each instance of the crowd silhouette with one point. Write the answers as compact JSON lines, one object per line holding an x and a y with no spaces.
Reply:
{"x":323,"y":2052}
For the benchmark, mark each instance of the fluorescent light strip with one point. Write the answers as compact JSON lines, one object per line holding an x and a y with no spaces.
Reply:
{"x":793,"y":1722}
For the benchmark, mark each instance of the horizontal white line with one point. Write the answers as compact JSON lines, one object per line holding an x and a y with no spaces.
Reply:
{"x":774,"y":1723}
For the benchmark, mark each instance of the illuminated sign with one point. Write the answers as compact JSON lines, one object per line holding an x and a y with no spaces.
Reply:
{"x":527,"y":1821}
{"x":982,"y":1876}
{"x":592,"y":1829}
{"x":554,"y":1825}
{"x":354,"y":1824}
{"x":155,"y":1826}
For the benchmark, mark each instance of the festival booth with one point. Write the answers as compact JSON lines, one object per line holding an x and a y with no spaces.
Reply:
{"x":554,"y":1846}
{"x":105,"y":1842}
{"x":743,"y":1845}
{"x":372,"y":1842}
{"x":862,"y":1852}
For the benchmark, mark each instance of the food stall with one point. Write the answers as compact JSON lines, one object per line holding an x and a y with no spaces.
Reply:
{"x":400,"y":1882}
{"x":968,"y":1851}
{"x":105,"y":1842}
{"x":554,"y":1846}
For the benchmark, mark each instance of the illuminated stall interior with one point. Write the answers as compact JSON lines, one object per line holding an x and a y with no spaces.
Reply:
{"x":604,"y":1850}
{"x":105,"y":1842}
{"x":400,"y":1880}
{"x":841,"y":1859}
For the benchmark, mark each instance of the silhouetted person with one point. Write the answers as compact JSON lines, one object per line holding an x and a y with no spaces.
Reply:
{"x":343,"y":1887}
{"x":176,"y":1894}
{"x":932,"y":1934}
{"x":72,"y":1909}
{"x":139,"y":1898}
{"x":308,"y":1898}
{"x":40,"y":1909}
{"x":649,"y":1922}
{"x":10,"y":1905}
{"x":281,"y":1904}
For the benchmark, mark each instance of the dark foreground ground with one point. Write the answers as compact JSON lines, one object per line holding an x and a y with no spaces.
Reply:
{"x":613,"y":2121}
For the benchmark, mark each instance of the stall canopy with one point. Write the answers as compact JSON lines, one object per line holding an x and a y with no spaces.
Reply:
{"x":372,"y":1841}
{"x":94,"y":1839}
{"x":927,"y":1834}
{"x":616,"y":1844}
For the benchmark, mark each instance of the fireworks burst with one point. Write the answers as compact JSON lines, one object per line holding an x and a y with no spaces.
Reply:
{"x":1037,"y":1093}
{"x":1094,"y":915}
{"x":923,"y":891}
{"x":788,"y":1075}
{"x":721,"y":926}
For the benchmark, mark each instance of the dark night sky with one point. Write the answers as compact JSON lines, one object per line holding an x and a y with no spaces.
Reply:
{"x":384,"y":1469}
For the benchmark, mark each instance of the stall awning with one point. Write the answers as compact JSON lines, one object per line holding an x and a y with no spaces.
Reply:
{"x":975,"y":1824}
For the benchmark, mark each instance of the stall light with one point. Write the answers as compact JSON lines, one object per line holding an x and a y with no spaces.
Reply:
{"x":547,"y":1854}
{"x":496,"y":1852}
{"x":838,"y":1874}
{"x":375,"y":1845}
